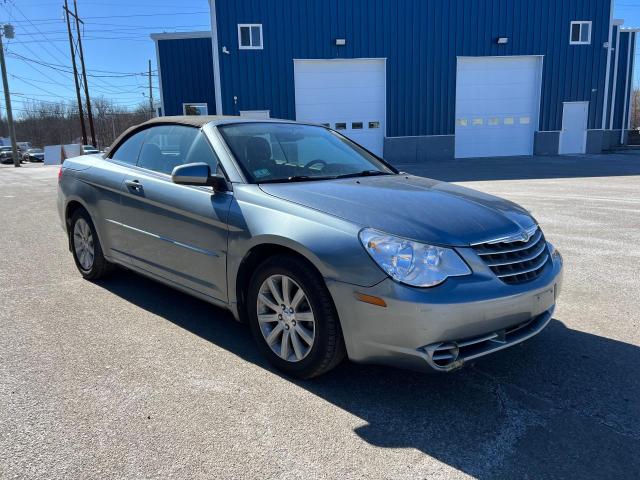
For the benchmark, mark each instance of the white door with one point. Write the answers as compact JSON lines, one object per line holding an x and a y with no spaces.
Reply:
{"x":573,"y":138}
{"x":345,"y":94}
{"x":497,"y":105}
{"x":255,"y":113}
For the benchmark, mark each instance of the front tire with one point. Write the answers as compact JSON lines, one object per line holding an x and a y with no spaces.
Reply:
{"x":86,"y":248}
{"x":293,"y":318}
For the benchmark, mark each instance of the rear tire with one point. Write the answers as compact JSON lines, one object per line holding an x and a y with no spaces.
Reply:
{"x":86,"y":248}
{"x":298,"y":329}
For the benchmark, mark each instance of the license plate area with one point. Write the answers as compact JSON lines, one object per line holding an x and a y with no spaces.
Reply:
{"x":542,"y":301}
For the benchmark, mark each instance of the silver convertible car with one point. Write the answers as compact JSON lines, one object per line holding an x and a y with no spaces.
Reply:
{"x":324,"y":249}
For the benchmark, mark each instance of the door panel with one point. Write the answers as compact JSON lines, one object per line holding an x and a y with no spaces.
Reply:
{"x":177,"y":232}
{"x":573,"y":138}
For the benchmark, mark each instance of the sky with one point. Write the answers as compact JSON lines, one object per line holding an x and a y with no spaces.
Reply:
{"x":116,"y":45}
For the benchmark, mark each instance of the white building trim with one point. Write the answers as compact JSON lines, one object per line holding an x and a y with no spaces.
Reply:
{"x":180,"y":35}
{"x":155,"y":41}
{"x":217,"y":82}
{"x":605,"y":104}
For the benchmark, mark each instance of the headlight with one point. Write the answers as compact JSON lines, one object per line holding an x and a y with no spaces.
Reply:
{"x":413,"y":263}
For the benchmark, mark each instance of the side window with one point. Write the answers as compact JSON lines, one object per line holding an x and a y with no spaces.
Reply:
{"x":169,"y":146}
{"x":201,"y":151}
{"x":128,"y":151}
{"x":166,"y":147}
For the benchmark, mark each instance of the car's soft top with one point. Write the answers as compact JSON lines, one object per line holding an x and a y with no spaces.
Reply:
{"x":192,"y":121}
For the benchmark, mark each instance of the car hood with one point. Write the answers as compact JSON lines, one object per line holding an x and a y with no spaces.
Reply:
{"x":413,"y":207}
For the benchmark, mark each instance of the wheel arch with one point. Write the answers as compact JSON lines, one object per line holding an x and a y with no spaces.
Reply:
{"x":72,"y":205}
{"x":257,"y":254}
{"x":70,"y":209}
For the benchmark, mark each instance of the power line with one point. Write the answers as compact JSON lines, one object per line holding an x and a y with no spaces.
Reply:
{"x":63,"y":68}
{"x":173,"y":14}
{"x":31,"y":98}
{"x":64,"y":55}
{"x":58,"y":40}
{"x":49,"y":82}
{"x":124,"y":27}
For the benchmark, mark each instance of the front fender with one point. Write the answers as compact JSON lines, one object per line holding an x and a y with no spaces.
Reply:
{"x":331,"y":244}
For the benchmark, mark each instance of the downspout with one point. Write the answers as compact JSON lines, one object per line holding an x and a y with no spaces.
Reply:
{"x":217,"y":82}
{"x":634,"y":44}
{"x":615,"y":77}
{"x":606,"y":78}
{"x":626,"y":90}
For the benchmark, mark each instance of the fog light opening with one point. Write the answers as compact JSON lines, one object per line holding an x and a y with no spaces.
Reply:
{"x":445,"y":354}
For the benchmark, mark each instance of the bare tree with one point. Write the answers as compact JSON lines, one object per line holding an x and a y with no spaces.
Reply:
{"x":54,"y":123}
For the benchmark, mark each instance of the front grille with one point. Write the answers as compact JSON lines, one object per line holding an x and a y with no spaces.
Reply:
{"x":516,"y":260}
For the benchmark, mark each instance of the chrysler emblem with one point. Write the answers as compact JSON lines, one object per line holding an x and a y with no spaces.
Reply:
{"x":525,"y":236}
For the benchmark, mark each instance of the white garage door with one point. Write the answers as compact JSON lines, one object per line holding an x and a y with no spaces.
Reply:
{"x":497,"y":105}
{"x":348,"y":95}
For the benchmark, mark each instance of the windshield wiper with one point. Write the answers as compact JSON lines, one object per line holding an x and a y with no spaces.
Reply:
{"x":364,"y":173}
{"x":297,"y":178}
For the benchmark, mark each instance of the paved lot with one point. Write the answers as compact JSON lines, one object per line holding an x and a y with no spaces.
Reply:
{"x":126,"y":378}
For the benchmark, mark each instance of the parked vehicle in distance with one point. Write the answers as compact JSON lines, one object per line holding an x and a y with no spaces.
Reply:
{"x":323,"y":248}
{"x":90,"y":150}
{"x":33,"y":155}
{"x":24,"y":146}
{"x":6,"y":154}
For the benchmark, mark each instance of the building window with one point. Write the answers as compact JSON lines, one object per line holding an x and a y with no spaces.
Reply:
{"x":580,"y":33}
{"x":195,"y":109}
{"x":250,"y":36}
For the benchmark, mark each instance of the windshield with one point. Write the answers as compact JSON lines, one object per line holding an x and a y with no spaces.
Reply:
{"x":281,"y":152}
{"x":36,"y":150}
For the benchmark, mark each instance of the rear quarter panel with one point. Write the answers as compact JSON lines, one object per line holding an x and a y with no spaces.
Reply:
{"x":95,"y":183}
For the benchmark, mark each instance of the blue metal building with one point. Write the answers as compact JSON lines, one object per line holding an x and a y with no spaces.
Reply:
{"x":414,"y":79}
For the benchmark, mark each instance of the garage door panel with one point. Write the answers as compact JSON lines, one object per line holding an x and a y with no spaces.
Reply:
{"x":497,"y":100}
{"x":356,"y":95}
{"x":506,"y":78}
{"x":323,"y":82}
{"x":506,"y":97}
{"x":339,"y":66}
{"x":343,"y":92}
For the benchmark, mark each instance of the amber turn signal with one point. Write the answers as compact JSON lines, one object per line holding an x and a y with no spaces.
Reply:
{"x":370,"y":299}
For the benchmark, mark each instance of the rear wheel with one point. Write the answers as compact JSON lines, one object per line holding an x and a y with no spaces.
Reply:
{"x":293,"y":318}
{"x":86,"y":248}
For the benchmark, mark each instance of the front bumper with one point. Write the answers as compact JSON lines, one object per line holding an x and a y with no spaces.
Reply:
{"x":443,"y":327}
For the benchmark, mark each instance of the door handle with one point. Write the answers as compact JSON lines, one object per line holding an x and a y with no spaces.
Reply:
{"x":133,"y":185}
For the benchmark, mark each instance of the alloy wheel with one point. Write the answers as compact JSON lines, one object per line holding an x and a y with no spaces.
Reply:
{"x":83,"y":244}
{"x":285,"y":318}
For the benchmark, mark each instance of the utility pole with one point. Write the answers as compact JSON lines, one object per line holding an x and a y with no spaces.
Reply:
{"x":7,"y":31}
{"x":84,"y":75}
{"x":75,"y":74}
{"x":150,"y":90}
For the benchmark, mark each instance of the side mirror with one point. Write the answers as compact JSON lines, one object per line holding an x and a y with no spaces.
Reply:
{"x":199,"y":174}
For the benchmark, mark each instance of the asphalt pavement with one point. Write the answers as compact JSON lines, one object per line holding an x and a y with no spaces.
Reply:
{"x":125,"y":378}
